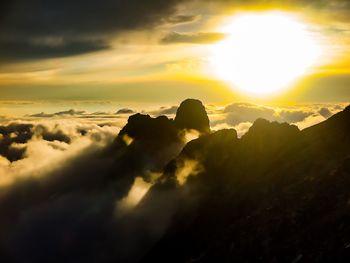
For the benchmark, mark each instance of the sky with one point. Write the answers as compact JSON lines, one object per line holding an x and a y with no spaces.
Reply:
{"x":154,"y":52}
{"x":74,"y":75}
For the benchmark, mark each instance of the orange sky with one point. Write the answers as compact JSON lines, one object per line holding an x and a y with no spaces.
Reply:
{"x":165,"y":60}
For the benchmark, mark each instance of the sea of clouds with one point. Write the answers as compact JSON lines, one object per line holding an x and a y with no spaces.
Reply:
{"x":66,"y":192}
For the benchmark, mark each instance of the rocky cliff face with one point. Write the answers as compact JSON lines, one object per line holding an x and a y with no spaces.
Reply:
{"x":275,"y":195}
{"x":192,"y":115}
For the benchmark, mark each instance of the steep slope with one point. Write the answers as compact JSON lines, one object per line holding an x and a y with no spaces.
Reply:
{"x":276,"y":195}
{"x":192,"y":115}
{"x":75,"y":212}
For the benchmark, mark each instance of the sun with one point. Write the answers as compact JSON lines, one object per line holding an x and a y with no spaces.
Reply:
{"x":264,"y":53}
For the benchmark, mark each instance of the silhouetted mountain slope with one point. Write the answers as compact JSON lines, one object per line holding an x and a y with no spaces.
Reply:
{"x":333,"y":135}
{"x":73,"y":213}
{"x":275,"y":195}
{"x":148,"y":144}
{"x":192,"y":115}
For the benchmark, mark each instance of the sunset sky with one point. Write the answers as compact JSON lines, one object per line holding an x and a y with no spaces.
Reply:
{"x":129,"y":128}
{"x":164,"y":51}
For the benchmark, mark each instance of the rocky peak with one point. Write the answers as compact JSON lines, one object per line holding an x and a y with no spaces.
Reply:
{"x":192,"y":115}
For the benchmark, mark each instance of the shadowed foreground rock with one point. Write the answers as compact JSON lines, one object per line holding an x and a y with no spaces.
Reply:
{"x":276,"y":195}
{"x":192,"y":115}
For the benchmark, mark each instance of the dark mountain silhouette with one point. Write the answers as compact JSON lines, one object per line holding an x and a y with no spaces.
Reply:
{"x":192,"y":115}
{"x":275,"y":195}
{"x":153,"y":142}
{"x":71,"y":213}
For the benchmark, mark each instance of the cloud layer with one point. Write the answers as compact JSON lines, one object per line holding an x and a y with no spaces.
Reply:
{"x":241,"y":115}
{"x":70,"y":188}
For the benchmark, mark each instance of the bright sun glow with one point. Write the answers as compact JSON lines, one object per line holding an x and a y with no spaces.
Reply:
{"x":264,"y":52}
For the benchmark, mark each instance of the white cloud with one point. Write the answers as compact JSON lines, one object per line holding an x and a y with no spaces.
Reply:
{"x":186,"y":168}
{"x":42,"y":156}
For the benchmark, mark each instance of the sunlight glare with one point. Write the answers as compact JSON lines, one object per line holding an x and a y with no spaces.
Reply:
{"x":264,"y":53}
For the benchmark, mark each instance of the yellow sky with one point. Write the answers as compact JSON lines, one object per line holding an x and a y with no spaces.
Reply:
{"x":157,"y":59}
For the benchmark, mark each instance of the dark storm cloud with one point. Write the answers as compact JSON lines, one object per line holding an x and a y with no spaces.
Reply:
{"x":28,"y":49}
{"x":45,"y":29}
{"x":37,"y":29}
{"x":195,"y":38}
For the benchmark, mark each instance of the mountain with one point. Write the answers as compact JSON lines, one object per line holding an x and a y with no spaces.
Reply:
{"x":76,"y":211}
{"x":275,"y":195}
{"x":192,"y":115}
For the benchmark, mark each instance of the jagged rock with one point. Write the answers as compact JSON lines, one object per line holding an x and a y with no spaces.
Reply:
{"x":192,"y":115}
{"x":150,"y":143}
{"x":275,"y":195}
{"x":207,"y":143}
{"x":265,"y":136}
{"x":144,"y":127}
{"x":263,"y":129}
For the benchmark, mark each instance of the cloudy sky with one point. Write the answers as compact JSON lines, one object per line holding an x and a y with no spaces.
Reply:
{"x":153,"y":51}
{"x":73,"y":72}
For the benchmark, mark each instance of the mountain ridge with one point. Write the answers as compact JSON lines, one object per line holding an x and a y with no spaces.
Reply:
{"x":276,"y":194}
{"x":258,"y":197}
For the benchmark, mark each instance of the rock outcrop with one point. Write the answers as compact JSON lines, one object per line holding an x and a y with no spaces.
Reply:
{"x":275,"y":195}
{"x":192,"y":115}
